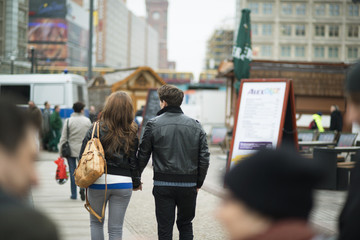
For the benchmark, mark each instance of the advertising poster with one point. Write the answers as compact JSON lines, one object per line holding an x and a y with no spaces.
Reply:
{"x":259,"y":118}
{"x":47,"y":30}
{"x":50,"y":52}
{"x":47,"y":8}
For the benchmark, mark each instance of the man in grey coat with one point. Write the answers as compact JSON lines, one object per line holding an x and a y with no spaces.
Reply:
{"x":78,"y":126}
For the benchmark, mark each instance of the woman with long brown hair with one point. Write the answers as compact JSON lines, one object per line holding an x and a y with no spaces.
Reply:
{"x":118,"y":137}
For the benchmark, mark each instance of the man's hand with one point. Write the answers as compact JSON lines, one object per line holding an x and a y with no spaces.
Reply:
{"x":197,"y":189}
{"x":139,"y":188}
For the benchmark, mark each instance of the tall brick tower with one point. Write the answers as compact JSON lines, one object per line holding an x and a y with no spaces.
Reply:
{"x":157,"y":18}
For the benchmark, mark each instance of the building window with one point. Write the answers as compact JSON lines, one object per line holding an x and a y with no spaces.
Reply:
{"x":266,"y":51}
{"x":254,"y":7}
{"x":287,"y":8}
{"x":353,"y":31}
{"x":334,"y":9}
{"x":300,"y":30}
{"x":267,"y":8}
{"x":254,"y":29}
{"x":301,"y":9}
{"x":22,"y":16}
{"x":319,"y":30}
{"x":319,"y":52}
{"x":353,"y":10}
{"x":267,"y":30}
{"x":300,"y":51}
{"x":353,"y":52}
{"x":285,"y":51}
{"x":333,"y":52}
{"x":320,"y":10}
{"x":333,"y":31}
{"x":286,"y":30}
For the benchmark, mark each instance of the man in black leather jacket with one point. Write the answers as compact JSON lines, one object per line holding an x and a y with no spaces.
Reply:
{"x":180,"y":158}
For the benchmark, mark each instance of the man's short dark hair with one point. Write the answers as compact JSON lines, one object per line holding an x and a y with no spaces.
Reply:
{"x":46,"y":103}
{"x":172,"y":95}
{"x":56,"y":106}
{"x":13,"y":124}
{"x":78,"y":107}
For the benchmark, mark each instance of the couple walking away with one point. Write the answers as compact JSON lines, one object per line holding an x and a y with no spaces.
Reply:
{"x":180,"y":158}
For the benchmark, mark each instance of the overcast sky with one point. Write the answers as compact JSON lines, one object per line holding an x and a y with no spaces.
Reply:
{"x":190,"y":24}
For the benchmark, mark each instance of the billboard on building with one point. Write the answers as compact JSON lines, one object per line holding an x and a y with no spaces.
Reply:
{"x":50,"y":52}
{"x":47,"y":30}
{"x":47,"y":8}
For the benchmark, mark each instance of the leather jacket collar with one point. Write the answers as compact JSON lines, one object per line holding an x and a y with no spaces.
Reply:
{"x":171,"y":109}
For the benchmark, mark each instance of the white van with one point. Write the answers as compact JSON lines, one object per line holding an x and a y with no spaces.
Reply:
{"x":58,"y":89}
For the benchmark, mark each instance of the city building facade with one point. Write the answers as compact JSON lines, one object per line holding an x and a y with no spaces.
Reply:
{"x":124,"y":40}
{"x":303,"y":30}
{"x":219,"y":47}
{"x":13,"y":36}
{"x":157,"y":17}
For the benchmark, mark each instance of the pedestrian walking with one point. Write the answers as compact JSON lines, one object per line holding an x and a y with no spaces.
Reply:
{"x":316,"y":123}
{"x":180,"y":158}
{"x":46,"y":130}
{"x":119,"y":140}
{"x":336,"y":120}
{"x":55,"y":125}
{"x":18,"y":154}
{"x":92,"y":114}
{"x":270,"y":196}
{"x":76,"y":126}
{"x":35,"y":116}
{"x":350,"y":215}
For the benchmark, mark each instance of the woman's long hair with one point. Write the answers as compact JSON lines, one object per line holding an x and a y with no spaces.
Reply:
{"x":117,"y":120}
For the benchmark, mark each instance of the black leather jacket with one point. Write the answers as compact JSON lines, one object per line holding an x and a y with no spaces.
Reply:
{"x":178,"y":145}
{"x":118,"y":163}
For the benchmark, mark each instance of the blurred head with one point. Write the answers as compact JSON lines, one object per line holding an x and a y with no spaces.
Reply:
{"x":118,"y":118}
{"x":334,"y":108}
{"x":78,"y":107}
{"x":31,"y":104}
{"x":92,"y":109}
{"x":267,"y":187}
{"x":57,"y":108}
{"x":47,"y":105}
{"x":18,"y":150}
{"x":352,"y":88}
{"x":170,"y":96}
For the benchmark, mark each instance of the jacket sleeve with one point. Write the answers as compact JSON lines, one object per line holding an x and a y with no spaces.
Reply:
{"x":332,"y":122}
{"x":63,"y":135}
{"x":134,"y":165}
{"x":203,"y":159}
{"x":146,"y":147}
{"x":86,"y":139}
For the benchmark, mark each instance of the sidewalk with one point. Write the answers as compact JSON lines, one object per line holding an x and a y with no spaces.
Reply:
{"x":140,"y":223}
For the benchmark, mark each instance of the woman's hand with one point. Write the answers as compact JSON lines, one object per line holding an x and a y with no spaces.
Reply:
{"x":138,"y":188}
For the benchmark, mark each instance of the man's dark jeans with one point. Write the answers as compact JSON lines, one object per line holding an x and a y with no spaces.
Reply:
{"x":166,"y":200}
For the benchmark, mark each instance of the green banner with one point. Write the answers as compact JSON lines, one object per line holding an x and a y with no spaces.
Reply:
{"x":242,"y":52}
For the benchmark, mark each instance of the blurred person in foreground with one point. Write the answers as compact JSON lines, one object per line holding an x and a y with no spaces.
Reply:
{"x":78,"y":126}
{"x":46,"y":125}
{"x":55,"y":125}
{"x":350,"y":216}
{"x":18,"y":153}
{"x":180,"y":157}
{"x":336,"y":120}
{"x":269,"y":197}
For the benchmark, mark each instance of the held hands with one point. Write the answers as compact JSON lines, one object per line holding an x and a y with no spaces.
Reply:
{"x":138,"y":188}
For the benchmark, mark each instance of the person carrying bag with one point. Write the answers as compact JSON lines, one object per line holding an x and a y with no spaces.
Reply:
{"x":113,"y":138}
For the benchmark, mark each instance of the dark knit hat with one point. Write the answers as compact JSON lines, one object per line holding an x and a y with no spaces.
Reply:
{"x":275,"y":183}
{"x":352,"y":83}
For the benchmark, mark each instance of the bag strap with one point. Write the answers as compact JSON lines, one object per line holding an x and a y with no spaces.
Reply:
{"x":67,"y":129}
{"x":93,"y":131}
{"x":87,"y":204}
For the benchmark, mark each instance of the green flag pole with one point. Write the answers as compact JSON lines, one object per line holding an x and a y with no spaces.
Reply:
{"x":242,"y":53}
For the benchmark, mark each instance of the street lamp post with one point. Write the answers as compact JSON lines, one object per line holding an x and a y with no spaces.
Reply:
{"x":12,"y":59}
{"x":32,"y":59}
{"x":91,"y":22}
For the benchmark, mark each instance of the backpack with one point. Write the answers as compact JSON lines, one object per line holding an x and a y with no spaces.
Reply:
{"x":313,"y":125}
{"x":92,"y":165}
